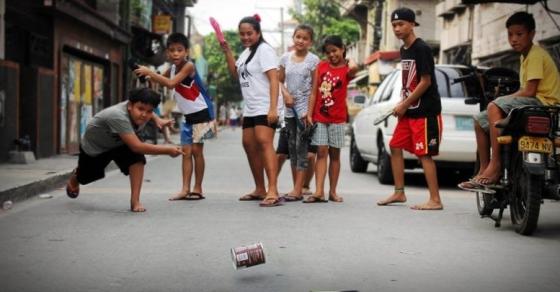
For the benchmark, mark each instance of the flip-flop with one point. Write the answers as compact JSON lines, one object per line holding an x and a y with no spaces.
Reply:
{"x":270,"y":202}
{"x":423,"y":208}
{"x":192,"y":196}
{"x":292,"y":198}
{"x":470,"y":186}
{"x":252,"y":197}
{"x":313,"y":199}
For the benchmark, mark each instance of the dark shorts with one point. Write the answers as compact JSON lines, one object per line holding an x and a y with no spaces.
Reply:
{"x":92,"y":168}
{"x":251,"y":122}
{"x":283,"y":142}
{"x":283,"y":147}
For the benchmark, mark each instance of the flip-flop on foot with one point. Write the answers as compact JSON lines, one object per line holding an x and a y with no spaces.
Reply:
{"x":336,"y":199}
{"x":292,"y":198}
{"x":179,"y":197}
{"x":192,"y":196}
{"x":270,"y":202}
{"x":252,"y":197}
{"x":313,"y":199}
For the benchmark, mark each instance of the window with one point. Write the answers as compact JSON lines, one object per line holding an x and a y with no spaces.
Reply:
{"x":386,"y":95}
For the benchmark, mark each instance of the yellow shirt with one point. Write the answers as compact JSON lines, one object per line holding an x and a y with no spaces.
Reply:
{"x":539,"y":65}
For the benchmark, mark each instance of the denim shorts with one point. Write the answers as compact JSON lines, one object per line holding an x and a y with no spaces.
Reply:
{"x":331,"y":135}
{"x":506,"y":104}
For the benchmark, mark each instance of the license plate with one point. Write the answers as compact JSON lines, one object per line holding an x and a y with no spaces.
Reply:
{"x":464,"y":123}
{"x":534,"y":144}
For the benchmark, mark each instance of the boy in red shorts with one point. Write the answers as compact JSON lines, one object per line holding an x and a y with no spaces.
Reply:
{"x":418,"y":130}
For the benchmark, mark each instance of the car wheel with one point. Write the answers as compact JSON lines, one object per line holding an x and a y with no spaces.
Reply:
{"x":384,"y":170}
{"x":357,"y":163}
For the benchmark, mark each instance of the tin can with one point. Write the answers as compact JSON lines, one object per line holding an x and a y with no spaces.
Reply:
{"x":248,"y":256}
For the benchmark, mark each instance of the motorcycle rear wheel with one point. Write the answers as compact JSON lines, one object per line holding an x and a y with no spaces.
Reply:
{"x":525,"y":197}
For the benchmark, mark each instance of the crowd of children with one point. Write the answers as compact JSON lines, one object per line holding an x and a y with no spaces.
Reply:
{"x":308,"y":96}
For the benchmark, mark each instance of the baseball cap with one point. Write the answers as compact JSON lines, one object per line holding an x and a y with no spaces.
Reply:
{"x":404,"y":13}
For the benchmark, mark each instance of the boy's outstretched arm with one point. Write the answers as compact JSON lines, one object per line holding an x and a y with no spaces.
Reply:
{"x":132,"y":141}
{"x":425,"y":82}
{"x":186,"y":70}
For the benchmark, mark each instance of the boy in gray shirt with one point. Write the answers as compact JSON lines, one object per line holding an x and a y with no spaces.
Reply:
{"x":112,"y":136}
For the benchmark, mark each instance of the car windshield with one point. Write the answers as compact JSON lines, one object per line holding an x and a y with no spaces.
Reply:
{"x":446,"y":88}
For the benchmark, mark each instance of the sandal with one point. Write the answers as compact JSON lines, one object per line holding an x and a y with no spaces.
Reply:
{"x":192,"y":196}
{"x":313,"y":199}
{"x":292,"y":198}
{"x":73,"y":193}
{"x":252,"y":197}
{"x":270,"y":202}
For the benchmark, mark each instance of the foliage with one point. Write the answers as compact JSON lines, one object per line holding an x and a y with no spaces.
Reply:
{"x":227,"y":88}
{"x":326,"y":19}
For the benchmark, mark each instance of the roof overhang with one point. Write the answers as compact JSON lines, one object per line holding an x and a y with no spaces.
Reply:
{"x":501,"y":1}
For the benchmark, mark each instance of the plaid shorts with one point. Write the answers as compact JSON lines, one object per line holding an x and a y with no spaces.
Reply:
{"x":506,"y":104}
{"x":329,"y":135}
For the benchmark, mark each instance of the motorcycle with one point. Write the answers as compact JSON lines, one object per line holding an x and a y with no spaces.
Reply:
{"x":528,"y":137}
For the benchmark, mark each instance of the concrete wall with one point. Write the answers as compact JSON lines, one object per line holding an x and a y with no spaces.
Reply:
{"x":490,"y":35}
{"x":425,"y":16}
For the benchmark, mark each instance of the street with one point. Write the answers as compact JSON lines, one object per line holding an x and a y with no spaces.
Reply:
{"x":94,"y":244}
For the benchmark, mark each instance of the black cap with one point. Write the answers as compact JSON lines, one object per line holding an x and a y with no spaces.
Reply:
{"x":404,"y":13}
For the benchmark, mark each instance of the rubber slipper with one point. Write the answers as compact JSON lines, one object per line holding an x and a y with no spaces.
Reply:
{"x":270,"y":202}
{"x":252,"y":197}
{"x":292,"y":198}
{"x":313,"y":199}
{"x":192,"y":196}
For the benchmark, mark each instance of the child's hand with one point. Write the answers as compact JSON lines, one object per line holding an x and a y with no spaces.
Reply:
{"x":272,"y":117}
{"x":175,"y":151}
{"x":143,"y":71}
{"x":289,"y":100}
{"x":225,"y":46}
{"x":400,"y":109}
{"x":160,"y":123}
{"x":309,"y":119}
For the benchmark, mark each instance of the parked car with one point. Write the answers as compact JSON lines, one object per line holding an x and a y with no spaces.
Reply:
{"x":370,"y":143}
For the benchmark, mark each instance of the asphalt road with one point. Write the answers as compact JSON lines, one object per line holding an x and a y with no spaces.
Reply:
{"x":94,"y":244}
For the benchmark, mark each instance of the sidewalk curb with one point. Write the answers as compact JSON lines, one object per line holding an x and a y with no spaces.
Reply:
{"x":35,"y":188}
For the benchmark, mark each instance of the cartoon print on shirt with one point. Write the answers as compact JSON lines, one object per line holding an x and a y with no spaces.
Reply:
{"x":244,"y":73}
{"x":409,"y":80}
{"x":328,"y":85}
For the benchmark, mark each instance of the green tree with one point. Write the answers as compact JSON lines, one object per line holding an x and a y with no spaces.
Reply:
{"x":227,"y":88}
{"x":326,"y":19}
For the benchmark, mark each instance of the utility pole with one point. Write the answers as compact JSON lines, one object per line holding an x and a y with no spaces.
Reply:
{"x":281,"y":26}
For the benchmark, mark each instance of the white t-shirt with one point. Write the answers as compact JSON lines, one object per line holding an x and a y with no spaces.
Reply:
{"x":255,"y":86}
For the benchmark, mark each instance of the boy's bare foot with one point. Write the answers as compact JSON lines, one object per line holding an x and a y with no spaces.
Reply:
{"x":396,"y":197}
{"x":431,"y":206}
{"x":335,"y":198}
{"x":179,"y":196}
{"x":137,"y":208}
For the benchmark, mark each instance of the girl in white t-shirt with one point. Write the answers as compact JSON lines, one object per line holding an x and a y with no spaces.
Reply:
{"x":257,"y":71}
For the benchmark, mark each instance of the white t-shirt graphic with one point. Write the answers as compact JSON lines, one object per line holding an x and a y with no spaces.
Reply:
{"x":255,"y":86}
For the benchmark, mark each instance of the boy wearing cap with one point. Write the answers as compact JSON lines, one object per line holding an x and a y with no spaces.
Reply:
{"x":419,"y":126}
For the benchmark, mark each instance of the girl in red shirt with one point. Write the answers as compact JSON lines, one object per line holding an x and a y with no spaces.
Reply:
{"x":329,"y":112}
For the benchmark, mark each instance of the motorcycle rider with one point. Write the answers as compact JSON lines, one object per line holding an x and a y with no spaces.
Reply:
{"x":540,"y":85}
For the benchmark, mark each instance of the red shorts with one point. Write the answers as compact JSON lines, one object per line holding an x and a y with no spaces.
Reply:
{"x":420,"y":136}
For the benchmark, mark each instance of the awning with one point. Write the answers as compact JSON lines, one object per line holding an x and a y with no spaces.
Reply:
{"x":361,"y":79}
{"x":382,"y":55}
{"x":502,"y":1}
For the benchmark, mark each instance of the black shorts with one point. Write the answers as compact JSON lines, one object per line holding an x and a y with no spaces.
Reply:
{"x":251,"y":122}
{"x":311,"y":148}
{"x":92,"y":168}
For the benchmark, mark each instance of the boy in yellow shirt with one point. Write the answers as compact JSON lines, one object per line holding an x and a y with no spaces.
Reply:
{"x":540,"y":85}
